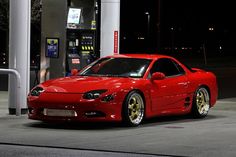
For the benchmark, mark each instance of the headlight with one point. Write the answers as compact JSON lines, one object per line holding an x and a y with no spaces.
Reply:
{"x":37,"y":91}
{"x":94,"y":94}
{"x":108,"y":98}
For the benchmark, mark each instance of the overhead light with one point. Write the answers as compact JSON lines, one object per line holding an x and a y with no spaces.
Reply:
{"x":211,"y":29}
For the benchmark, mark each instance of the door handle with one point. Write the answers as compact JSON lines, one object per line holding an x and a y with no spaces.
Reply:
{"x":183,"y":84}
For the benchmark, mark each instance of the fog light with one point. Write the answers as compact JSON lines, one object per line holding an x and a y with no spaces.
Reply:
{"x":95,"y":114}
{"x":31,"y":110}
{"x":90,"y":113}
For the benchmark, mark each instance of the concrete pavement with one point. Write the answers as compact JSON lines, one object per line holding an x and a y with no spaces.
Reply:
{"x":161,"y":136}
{"x":32,"y":151}
{"x":3,"y":103}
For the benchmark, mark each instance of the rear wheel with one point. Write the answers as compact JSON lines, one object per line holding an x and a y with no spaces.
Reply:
{"x":133,"y":109}
{"x":201,"y":103}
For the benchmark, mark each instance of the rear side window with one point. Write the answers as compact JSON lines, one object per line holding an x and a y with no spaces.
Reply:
{"x":181,"y":70}
{"x":168,"y":67}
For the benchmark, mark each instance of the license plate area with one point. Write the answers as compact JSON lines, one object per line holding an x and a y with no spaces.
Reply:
{"x":59,"y":113}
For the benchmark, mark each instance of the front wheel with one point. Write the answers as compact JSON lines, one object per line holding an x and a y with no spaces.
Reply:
{"x":133,"y":109}
{"x":201,"y":103}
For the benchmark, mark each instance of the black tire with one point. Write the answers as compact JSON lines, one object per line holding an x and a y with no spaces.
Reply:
{"x":133,"y":109}
{"x":201,"y":103}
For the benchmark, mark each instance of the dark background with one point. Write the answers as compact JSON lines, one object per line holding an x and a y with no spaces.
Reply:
{"x":184,"y":27}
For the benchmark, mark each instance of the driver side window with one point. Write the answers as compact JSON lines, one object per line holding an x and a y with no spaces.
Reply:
{"x":166,"y":66}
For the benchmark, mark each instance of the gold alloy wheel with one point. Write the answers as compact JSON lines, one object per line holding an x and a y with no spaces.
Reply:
{"x":135,"y":108}
{"x":203,"y":101}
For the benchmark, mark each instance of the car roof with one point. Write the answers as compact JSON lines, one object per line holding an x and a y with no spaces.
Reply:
{"x":143,"y":56}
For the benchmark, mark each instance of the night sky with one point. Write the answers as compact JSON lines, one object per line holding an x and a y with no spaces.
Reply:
{"x":184,"y":23}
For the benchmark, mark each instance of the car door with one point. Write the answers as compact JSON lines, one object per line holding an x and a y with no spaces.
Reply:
{"x":171,"y":92}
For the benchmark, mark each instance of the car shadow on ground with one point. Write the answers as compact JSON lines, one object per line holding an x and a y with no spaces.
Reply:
{"x":91,"y":126}
{"x":175,"y":120}
{"x":75,"y":125}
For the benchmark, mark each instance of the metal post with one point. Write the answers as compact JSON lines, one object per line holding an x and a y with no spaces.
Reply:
{"x":18,"y":86}
{"x":148,"y":26}
{"x":110,"y":27}
{"x":19,"y":51}
{"x":159,"y":27}
{"x":53,"y":22}
{"x":204,"y":53}
{"x":148,"y":32}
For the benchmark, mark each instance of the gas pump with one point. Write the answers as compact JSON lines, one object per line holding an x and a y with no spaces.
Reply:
{"x":82,"y":36}
{"x":87,"y":48}
{"x":80,"y":49}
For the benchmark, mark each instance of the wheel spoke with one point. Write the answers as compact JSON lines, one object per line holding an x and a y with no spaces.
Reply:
{"x":132,"y":116}
{"x":134,"y":100}
{"x":131,"y":106}
{"x":138,"y":107}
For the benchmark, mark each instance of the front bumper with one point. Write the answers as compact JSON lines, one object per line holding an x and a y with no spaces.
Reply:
{"x":85,"y":110}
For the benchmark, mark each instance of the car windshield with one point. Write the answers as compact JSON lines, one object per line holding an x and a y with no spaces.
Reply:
{"x":117,"y":67}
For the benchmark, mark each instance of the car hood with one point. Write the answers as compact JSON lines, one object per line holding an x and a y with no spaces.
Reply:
{"x":82,"y":84}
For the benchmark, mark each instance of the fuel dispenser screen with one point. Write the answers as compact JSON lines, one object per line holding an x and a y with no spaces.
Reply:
{"x":86,"y":48}
{"x":87,"y":43}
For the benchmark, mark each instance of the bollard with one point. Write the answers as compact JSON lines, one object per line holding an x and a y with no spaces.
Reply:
{"x":18,"y":83}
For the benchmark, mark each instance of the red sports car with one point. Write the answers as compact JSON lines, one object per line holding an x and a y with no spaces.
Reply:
{"x":125,"y":88}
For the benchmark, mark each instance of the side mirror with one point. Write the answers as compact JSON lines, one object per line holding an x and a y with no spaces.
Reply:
{"x":74,"y":72}
{"x":158,"y":76}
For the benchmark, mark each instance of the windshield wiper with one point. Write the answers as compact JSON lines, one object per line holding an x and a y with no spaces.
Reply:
{"x":110,"y":75}
{"x":104,"y":75}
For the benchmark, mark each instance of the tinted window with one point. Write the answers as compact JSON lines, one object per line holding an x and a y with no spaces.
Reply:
{"x":166,"y":66}
{"x":181,"y":70}
{"x":118,"y":67}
